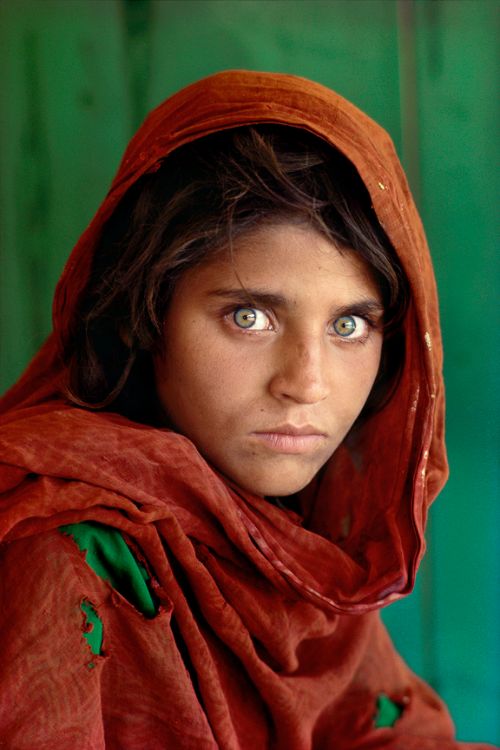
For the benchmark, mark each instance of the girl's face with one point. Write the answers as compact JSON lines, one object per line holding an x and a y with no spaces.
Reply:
{"x":270,"y":356}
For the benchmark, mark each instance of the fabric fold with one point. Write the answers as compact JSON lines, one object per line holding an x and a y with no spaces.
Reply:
{"x":268,"y":633}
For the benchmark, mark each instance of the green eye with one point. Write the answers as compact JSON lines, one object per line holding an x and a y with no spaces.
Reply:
{"x":251,"y":317}
{"x":345,"y":326}
{"x":245,"y":317}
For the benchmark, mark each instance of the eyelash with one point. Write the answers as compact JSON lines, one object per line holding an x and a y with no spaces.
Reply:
{"x":370,"y":323}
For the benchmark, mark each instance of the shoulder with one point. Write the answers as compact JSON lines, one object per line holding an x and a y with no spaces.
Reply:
{"x":49,"y":672}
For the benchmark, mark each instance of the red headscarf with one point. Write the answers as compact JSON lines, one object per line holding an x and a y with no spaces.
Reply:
{"x":277,"y":621}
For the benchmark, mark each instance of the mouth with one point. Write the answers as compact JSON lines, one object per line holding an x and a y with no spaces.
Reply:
{"x":291,"y":439}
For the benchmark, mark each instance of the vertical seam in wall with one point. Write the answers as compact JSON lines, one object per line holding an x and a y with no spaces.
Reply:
{"x":137,"y":24}
{"x":408,"y":94}
{"x":410,"y":137}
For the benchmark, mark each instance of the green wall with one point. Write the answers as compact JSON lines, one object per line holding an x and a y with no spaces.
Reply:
{"x":78,"y":77}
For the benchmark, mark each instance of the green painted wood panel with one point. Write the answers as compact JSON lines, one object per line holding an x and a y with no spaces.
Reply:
{"x":313,"y":39}
{"x":65,"y":121}
{"x":457,"y":45}
{"x":79,"y":76}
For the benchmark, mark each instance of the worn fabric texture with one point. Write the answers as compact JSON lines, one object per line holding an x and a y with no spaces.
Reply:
{"x":268,"y":632}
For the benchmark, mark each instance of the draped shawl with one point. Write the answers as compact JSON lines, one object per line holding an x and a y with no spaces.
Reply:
{"x":268,"y":632}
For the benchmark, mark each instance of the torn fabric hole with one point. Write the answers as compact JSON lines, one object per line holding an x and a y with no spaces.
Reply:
{"x":109,"y":556}
{"x":388,"y":712}
{"x":93,"y":629}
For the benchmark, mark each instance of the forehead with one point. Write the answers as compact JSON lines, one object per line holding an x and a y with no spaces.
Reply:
{"x":286,"y":258}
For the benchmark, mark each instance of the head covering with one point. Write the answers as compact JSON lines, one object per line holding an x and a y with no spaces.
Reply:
{"x":387,"y":497}
{"x":262,"y":604}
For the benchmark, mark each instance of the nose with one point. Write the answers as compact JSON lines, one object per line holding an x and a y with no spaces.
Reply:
{"x":301,"y":373}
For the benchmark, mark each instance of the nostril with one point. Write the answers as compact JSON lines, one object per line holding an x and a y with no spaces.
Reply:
{"x":301,"y":387}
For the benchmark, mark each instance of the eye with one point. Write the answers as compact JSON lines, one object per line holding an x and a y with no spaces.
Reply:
{"x":350,"y":327}
{"x":250,"y":317}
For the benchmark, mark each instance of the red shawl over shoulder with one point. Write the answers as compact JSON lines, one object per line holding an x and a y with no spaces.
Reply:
{"x":268,"y":633}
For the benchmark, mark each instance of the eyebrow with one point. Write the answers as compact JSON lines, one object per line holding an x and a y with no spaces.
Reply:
{"x":268,"y":299}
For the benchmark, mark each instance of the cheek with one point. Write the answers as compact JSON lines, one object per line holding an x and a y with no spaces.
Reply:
{"x":370,"y":367}
{"x":199,"y":379}
{"x":359,"y":376}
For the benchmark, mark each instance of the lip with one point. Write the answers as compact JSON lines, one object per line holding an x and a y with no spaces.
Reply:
{"x":291,"y":439}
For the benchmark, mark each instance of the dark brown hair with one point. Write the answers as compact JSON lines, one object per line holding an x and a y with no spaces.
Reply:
{"x":201,"y":199}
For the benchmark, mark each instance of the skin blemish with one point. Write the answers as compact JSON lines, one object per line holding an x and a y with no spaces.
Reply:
{"x":428,"y":341}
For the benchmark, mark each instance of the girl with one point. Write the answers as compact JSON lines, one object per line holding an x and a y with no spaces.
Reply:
{"x":218,"y":468}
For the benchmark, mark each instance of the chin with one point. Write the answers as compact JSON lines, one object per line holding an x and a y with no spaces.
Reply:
{"x":274,"y":487}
